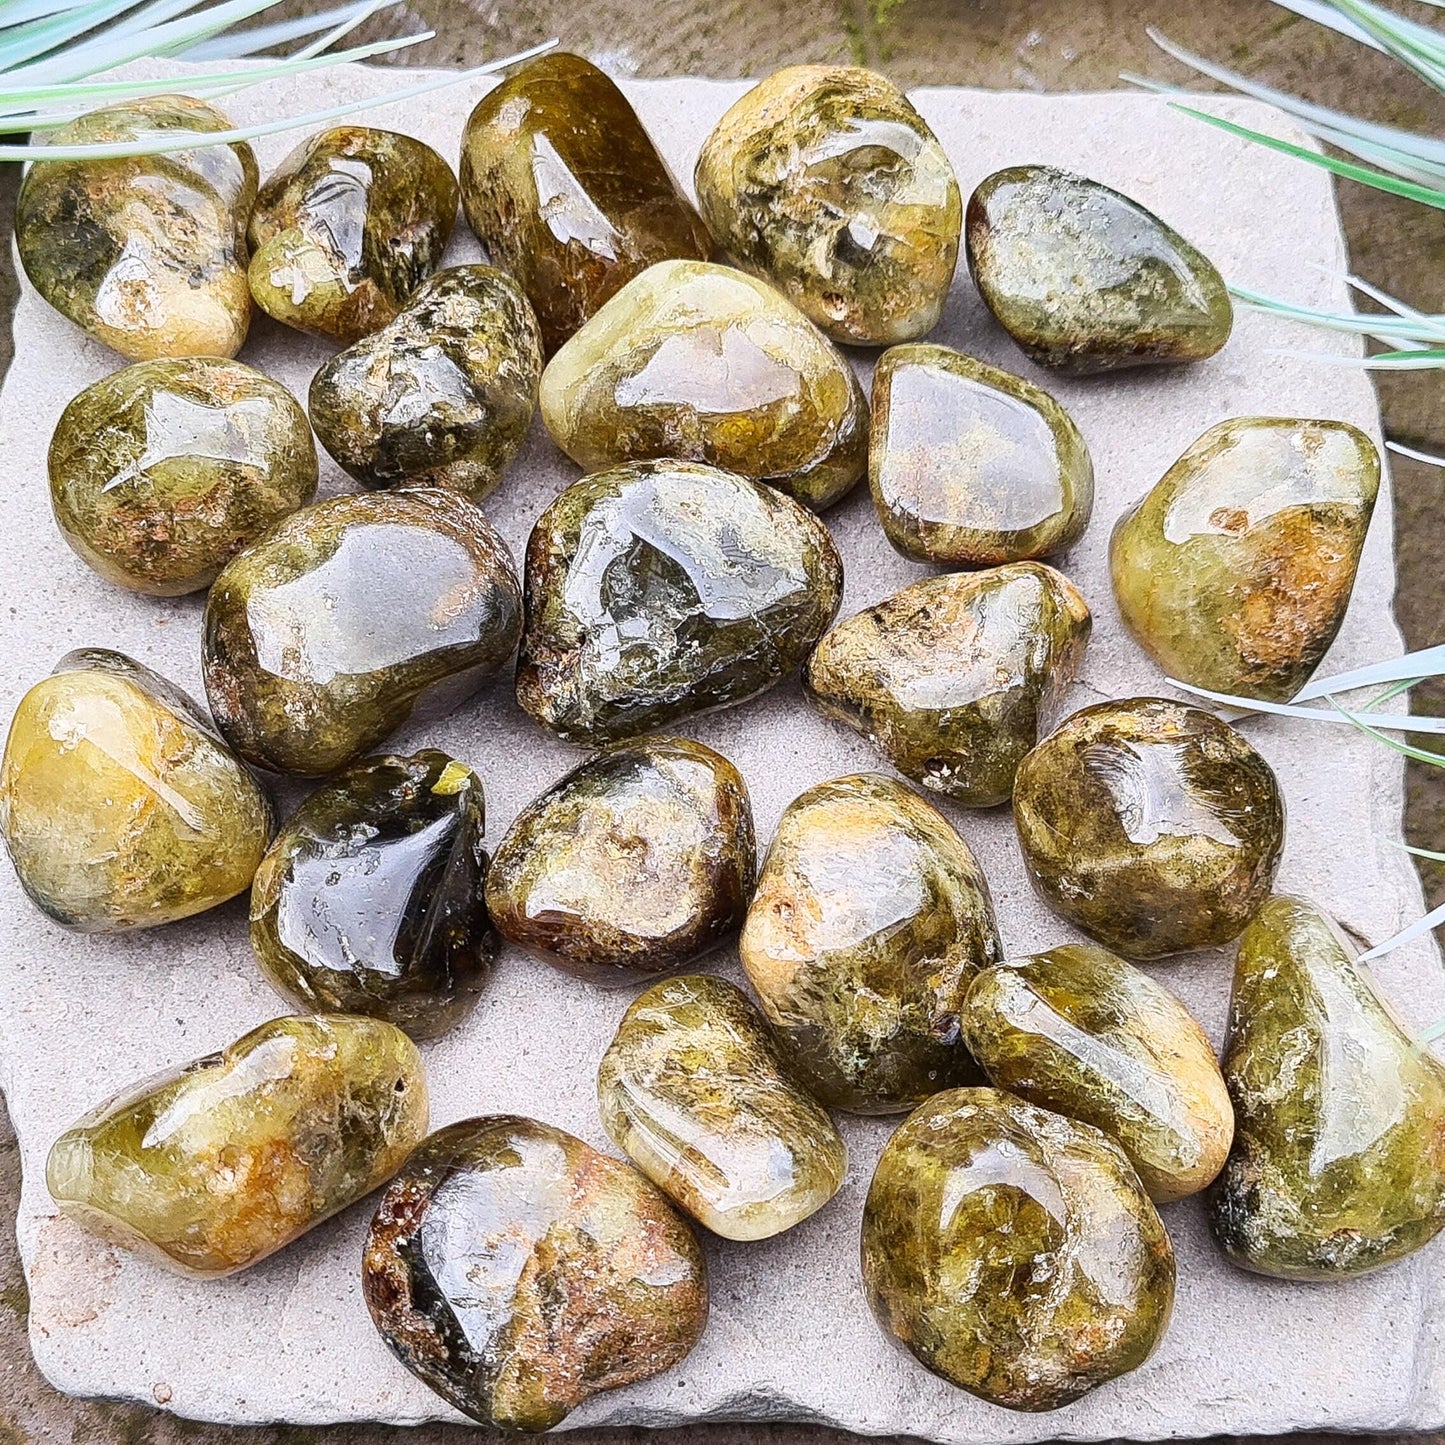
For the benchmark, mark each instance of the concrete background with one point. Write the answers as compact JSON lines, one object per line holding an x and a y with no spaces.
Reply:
{"x":1018,"y":44}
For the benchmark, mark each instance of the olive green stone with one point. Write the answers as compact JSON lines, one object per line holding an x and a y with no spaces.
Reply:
{"x":1154,"y":827}
{"x":635,"y":863}
{"x":566,"y":191}
{"x":952,"y":678}
{"x":162,"y":472}
{"x":972,"y":466}
{"x":1079,"y":1031}
{"x":443,"y":395}
{"x":1338,"y":1164}
{"x":120,"y":806}
{"x":518,"y":1272}
{"x":870,"y":919}
{"x":692,"y":1089}
{"x":352,"y":616}
{"x":146,"y":253}
{"x":347,"y":227}
{"x":1013,"y":1252}
{"x":825,"y":181}
{"x":209,"y":1167}
{"x":1235,"y":570}
{"x":1085,"y":279}
{"x":657,"y":590}
{"x":370,"y":899}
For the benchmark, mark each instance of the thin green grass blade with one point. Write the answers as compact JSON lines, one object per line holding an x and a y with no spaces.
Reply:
{"x":1416,"y":456}
{"x":1400,"y":722}
{"x":1418,"y":929}
{"x":241,"y":43}
{"x":1425,"y":329}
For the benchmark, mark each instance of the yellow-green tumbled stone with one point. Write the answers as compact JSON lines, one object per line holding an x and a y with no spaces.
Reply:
{"x":120,"y":806}
{"x":825,"y":181}
{"x":218,"y":1163}
{"x":1235,"y":570}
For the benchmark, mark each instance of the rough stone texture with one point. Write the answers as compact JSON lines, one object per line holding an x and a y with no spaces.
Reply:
{"x":290,"y":1339}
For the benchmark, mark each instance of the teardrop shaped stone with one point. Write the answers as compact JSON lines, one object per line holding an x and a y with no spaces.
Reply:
{"x":1235,"y":570}
{"x":119,"y":804}
{"x":161,"y":472}
{"x":1154,"y":827}
{"x":146,"y":253}
{"x":825,"y":181}
{"x":370,"y":899}
{"x":707,"y":364}
{"x":519,"y":1272}
{"x":972,"y":466}
{"x":870,"y":919}
{"x":638,"y":861}
{"x":1079,"y":1031}
{"x":210,"y":1167}
{"x":952,"y":678}
{"x":351,"y":617}
{"x":657,"y":590}
{"x":1013,"y":1252}
{"x":693,"y":1090}
{"x":347,"y":227}
{"x":1338,"y":1164}
{"x":1085,"y":279}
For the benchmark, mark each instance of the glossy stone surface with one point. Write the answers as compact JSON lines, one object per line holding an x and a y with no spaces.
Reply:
{"x":693,"y":1090}
{"x":870,"y":919}
{"x":119,"y":805}
{"x":1079,"y":1031}
{"x":214,"y":1165}
{"x":825,"y":181}
{"x":1338,"y":1164}
{"x":517,"y":1271}
{"x":443,"y":395}
{"x":370,"y":899}
{"x":972,"y":466}
{"x":1234,"y":571}
{"x":351,"y":617}
{"x":347,"y":227}
{"x":567,"y":192}
{"x":707,"y":364}
{"x":1153,"y":826}
{"x":660,"y":589}
{"x":146,"y":253}
{"x":953,"y":678}
{"x":162,"y":472}
{"x":638,"y":861}
{"x":1085,"y":279}
{"x":1012,"y":1251}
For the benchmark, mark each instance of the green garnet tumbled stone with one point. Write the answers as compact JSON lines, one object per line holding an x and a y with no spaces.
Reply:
{"x":1086,"y":280}
{"x":216,"y":1164}
{"x":1079,"y":1031}
{"x":1235,"y":570}
{"x":701,"y":362}
{"x":120,"y":806}
{"x":147,"y":252}
{"x":637,"y":862}
{"x":566,"y":191}
{"x":370,"y":899}
{"x":1013,"y":1252}
{"x":692,"y":1089}
{"x":1153,"y":826}
{"x":825,"y":181}
{"x":660,"y":589}
{"x":972,"y":466}
{"x":347,"y":227}
{"x":349,"y":617}
{"x":870,"y":919}
{"x":441,"y":396}
{"x":951,"y":678}
{"x":162,"y":472}
{"x":518,"y":1272}
{"x":1338,"y":1164}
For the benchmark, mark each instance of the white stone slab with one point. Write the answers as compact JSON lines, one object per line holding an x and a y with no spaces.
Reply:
{"x":790,"y":1336}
